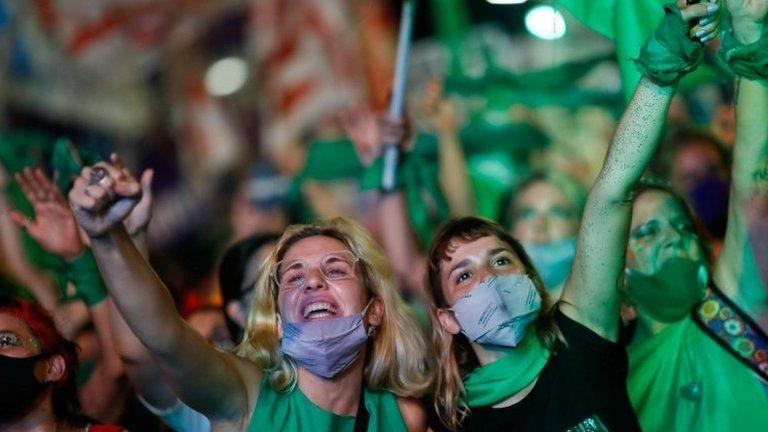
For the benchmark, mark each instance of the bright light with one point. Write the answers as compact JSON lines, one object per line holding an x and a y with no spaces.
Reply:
{"x":545,"y":22}
{"x":226,"y":76}
{"x":502,"y":2}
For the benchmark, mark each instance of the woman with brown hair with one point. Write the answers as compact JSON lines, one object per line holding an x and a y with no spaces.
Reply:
{"x":494,"y":371}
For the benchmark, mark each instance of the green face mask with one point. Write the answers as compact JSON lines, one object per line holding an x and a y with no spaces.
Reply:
{"x":669,"y":294}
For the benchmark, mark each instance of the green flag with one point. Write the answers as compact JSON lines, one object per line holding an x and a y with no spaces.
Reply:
{"x":628,"y":24}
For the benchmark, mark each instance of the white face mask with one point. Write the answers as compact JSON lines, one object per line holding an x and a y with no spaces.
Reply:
{"x":498,"y":310}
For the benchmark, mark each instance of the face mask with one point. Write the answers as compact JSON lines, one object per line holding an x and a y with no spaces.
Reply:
{"x":19,"y":388}
{"x":327,"y":347}
{"x":498,"y":310}
{"x":669,"y":294}
{"x":710,"y":200}
{"x":553,"y":260}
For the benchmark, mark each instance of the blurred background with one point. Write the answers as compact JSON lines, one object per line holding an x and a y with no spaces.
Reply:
{"x":236,"y":103}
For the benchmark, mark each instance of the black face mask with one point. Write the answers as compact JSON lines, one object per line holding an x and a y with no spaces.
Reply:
{"x":19,"y":388}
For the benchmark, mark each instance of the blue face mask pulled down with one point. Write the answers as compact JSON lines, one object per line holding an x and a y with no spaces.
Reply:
{"x":553,"y":260}
{"x":327,"y":347}
{"x":498,"y":310}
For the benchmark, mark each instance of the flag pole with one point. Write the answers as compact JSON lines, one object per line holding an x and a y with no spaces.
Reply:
{"x":391,"y":151}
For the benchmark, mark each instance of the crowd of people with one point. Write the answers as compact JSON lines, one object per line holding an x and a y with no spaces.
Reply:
{"x":599,"y":305}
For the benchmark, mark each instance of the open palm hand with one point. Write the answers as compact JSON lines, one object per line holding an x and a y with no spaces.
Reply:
{"x":53,"y":225}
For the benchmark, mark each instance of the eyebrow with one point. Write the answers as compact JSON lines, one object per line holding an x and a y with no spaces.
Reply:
{"x":493,"y":252}
{"x":334,"y":258}
{"x":646,"y":223}
{"x":462,"y":263}
{"x":467,"y":261}
{"x":295,"y":264}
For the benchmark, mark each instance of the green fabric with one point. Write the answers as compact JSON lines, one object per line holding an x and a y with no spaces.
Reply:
{"x":417,"y":176}
{"x":669,"y":54}
{"x":84,"y":275}
{"x":20,"y":149}
{"x":482,"y":135}
{"x":493,"y":176}
{"x":33,"y":148}
{"x":293,"y":411}
{"x":682,"y":380}
{"x":750,"y":60}
{"x":629,"y":24}
{"x":328,"y":160}
{"x":451,"y":18}
{"x":497,"y":381}
{"x":332,"y":159}
{"x":84,"y":372}
{"x":497,"y":152}
{"x":9,"y":288}
{"x":66,"y":164}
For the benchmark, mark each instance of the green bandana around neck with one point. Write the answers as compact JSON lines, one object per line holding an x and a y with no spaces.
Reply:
{"x":681,"y":380}
{"x":494,"y":382}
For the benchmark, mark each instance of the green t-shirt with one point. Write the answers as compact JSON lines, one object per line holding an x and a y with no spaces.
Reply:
{"x":293,"y":411}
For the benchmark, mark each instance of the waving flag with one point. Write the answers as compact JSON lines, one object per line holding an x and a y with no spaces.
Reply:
{"x":628,"y":23}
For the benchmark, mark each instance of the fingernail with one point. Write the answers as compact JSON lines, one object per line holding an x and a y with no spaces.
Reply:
{"x":712,"y":7}
{"x":705,"y":21}
{"x":701,"y":33}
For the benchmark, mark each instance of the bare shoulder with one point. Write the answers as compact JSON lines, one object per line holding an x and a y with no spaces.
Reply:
{"x":251,"y":376}
{"x":414,"y":414}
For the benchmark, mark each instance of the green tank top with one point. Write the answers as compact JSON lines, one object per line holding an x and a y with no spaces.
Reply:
{"x":293,"y":411}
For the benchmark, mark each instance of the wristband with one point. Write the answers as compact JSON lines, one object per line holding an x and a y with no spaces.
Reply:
{"x":746,"y":60}
{"x":669,"y":54}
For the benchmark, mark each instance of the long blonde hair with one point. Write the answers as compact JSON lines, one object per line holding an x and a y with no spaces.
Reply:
{"x":396,"y":360}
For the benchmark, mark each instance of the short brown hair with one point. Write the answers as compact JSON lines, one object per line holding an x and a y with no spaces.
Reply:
{"x":456,"y":359}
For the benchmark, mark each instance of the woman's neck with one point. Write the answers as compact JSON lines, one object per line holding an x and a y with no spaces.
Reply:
{"x":339,"y":395}
{"x":487,"y":355}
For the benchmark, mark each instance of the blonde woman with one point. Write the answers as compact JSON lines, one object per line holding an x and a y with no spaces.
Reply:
{"x":329,"y":345}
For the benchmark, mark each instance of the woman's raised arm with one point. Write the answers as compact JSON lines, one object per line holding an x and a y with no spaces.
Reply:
{"x":208,"y":380}
{"x":591,"y":294}
{"x":750,"y":157}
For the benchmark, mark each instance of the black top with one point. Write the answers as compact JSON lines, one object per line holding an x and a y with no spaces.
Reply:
{"x":581,"y":388}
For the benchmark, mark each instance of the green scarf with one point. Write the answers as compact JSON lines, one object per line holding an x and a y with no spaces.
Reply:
{"x":293,"y":411}
{"x":747,"y":60}
{"x":628,"y":24}
{"x":494,"y":382}
{"x":682,"y":380}
{"x":669,"y":54}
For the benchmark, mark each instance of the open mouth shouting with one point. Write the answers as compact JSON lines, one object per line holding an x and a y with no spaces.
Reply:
{"x":318,"y":309}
